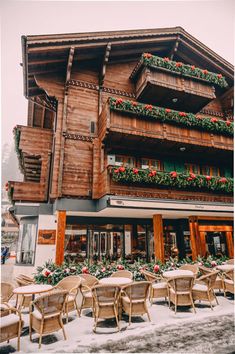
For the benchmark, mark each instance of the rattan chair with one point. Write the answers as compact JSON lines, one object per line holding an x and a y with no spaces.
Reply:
{"x":134,"y":298}
{"x":72,"y":284}
{"x":24,"y":280}
{"x":11,"y":324}
{"x":203,"y":288}
{"x":158,"y":287}
{"x":88,"y":281}
{"x":228,"y":282}
{"x":6,"y":291}
{"x":106,"y":300}
{"x":46,"y":312}
{"x":180,"y":291}
{"x":192,"y":267}
{"x":218,"y":284}
{"x":123,"y":274}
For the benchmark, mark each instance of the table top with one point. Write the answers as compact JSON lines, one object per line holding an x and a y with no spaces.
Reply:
{"x":225,"y":267}
{"x":115,"y":281}
{"x":32,"y":289}
{"x":177,"y":273}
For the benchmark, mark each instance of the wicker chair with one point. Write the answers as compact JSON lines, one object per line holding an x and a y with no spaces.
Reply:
{"x":180,"y":291}
{"x":203,"y":288}
{"x":228,"y":282}
{"x":219,"y":279}
{"x":88,"y":281}
{"x":192,"y":267}
{"x":134,"y":297}
{"x":10,"y":324}
{"x":158,"y":287}
{"x":123,"y":274}
{"x":106,"y":300}
{"x":230,"y":261}
{"x":72,"y":284}
{"x":24,"y":280}
{"x":6,"y":291}
{"x":46,"y":317}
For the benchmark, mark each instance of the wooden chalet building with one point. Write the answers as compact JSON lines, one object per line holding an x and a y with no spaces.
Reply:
{"x":128,"y":149}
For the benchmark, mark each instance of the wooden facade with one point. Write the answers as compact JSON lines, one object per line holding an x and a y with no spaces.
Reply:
{"x":71,"y":131}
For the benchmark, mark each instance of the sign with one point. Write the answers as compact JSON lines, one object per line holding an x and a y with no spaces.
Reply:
{"x":46,"y":237}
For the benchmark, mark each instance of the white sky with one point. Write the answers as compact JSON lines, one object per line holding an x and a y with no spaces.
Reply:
{"x":211,"y":22}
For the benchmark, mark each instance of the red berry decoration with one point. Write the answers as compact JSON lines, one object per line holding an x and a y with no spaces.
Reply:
{"x":122,"y":169}
{"x":208,"y":178}
{"x":228,"y":123}
{"x":147,"y":55}
{"x":156,"y":268}
{"x":135,"y":171}
{"x":134,"y":103}
{"x":166,"y":59}
{"x":120,"y":267}
{"x":205,"y":72}
{"x":192,"y":175}
{"x":178,"y":64}
{"x":214,"y":120}
{"x":193,"y":67}
{"x":173,"y":174}
{"x":189,"y":179}
{"x":223,"y":180}
{"x":219,"y":76}
{"x":167,"y":110}
{"x":182,"y":114}
{"x":149,"y":107}
{"x":116,"y":171}
{"x":119,"y":101}
{"x":85,"y":270}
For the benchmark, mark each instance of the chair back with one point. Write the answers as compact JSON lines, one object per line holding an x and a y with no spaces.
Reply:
{"x":105,"y":294}
{"x":230,"y":261}
{"x":6,"y":291}
{"x":69,"y":283}
{"x":210,"y":278}
{"x":23,"y":280}
{"x":204,"y":270}
{"x":229,"y":275}
{"x":182,"y":283}
{"x":52,"y":303}
{"x":150,"y":276}
{"x":138,"y":290}
{"x":192,"y":267}
{"x":123,"y":274}
{"x":88,"y":280}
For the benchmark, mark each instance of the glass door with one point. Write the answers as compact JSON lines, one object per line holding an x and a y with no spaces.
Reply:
{"x":216,"y":243}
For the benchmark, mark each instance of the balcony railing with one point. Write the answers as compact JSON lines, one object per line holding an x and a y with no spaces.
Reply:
{"x":133,"y":118}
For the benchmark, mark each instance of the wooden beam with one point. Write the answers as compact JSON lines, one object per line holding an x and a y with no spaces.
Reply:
{"x":174,"y":49}
{"x":104,"y":64}
{"x":202,"y":236}
{"x":60,"y":236}
{"x":215,"y":218}
{"x":215,"y":228}
{"x":193,"y":238}
{"x":229,"y":242}
{"x":158,"y":238}
{"x":69,"y":65}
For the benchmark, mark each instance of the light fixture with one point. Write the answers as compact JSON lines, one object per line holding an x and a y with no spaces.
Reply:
{"x":182,"y":148}
{"x":174,"y":99}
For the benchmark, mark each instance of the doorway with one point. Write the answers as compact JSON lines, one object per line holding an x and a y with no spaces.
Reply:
{"x":216,"y":244}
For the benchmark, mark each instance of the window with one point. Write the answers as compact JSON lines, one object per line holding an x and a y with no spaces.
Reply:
{"x":210,"y":171}
{"x":26,"y":244}
{"x":124,"y":160}
{"x":192,"y":168}
{"x":150,"y":163}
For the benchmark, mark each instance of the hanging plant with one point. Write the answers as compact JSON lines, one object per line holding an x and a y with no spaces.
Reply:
{"x":172,"y":179}
{"x":154,"y":61}
{"x":16,"y":133}
{"x":189,"y":120}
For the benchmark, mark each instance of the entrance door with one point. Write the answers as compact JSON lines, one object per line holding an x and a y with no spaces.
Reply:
{"x":216,"y":243}
{"x":106,"y":244}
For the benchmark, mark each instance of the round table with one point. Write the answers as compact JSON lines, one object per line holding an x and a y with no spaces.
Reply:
{"x":225,"y":267}
{"x":177,"y":273}
{"x":31,"y":289}
{"x":115,"y":281}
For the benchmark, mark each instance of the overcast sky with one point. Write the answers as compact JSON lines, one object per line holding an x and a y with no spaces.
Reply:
{"x":211,"y":22}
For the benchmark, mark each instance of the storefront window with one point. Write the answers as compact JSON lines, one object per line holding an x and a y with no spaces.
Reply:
{"x":170,"y":244}
{"x":26,"y":244}
{"x":139,"y":242}
{"x":216,"y":244}
{"x":75,"y":243}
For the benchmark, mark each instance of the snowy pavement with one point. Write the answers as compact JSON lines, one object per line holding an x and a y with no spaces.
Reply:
{"x":81,"y":338}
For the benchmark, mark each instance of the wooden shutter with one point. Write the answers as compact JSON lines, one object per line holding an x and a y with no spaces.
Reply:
{"x":169,"y":165}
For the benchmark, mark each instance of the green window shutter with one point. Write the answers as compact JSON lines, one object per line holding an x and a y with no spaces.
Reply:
{"x":227,"y":172}
{"x":179,"y":166}
{"x":169,"y":165}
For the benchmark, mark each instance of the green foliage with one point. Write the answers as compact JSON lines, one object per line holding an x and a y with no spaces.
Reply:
{"x":183,"y":69}
{"x":16,"y":133}
{"x":160,"y":114}
{"x":172,"y":179}
{"x":50,"y":273}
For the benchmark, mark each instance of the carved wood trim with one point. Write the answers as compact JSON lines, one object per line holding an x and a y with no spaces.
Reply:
{"x":77,"y":137}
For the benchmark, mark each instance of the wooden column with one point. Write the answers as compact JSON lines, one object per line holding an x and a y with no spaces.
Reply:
{"x":158,"y":238}
{"x":193,"y":239}
{"x":60,"y":236}
{"x":229,"y":242}
{"x":203,"y":243}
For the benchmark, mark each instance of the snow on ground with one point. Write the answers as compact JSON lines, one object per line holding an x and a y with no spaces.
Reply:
{"x":81,"y":338}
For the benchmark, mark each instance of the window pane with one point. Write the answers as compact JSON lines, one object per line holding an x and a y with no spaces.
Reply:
{"x":119,"y":160}
{"x":155,"y":164}
{"x":206,"y":170}
{"x":144,"y":163}
{"x":196,"y":169}
{"x":75,"y":247}
{"x":130,"y":161}
{"x":26,"y":244}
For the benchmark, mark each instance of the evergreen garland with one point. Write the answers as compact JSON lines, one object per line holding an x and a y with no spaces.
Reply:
{"x":167,"y":115}
{"x":16,"y":133}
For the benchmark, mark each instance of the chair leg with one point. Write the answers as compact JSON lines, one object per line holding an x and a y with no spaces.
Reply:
{"x":62,"y":327}
{"x":18,"y":339}
{"x":209,"y":298}
{"x":130,"y":315}
{"x":40,"y":338}
{"x":76,"y":305}
{"x":217,"y":302}
{"x":192,"y":303}
{"x":175,"y":304}
{"x":30,"y":328}
{"x":146,"y":309}
{"x":116,"y":316}
{"x":67,"y":313}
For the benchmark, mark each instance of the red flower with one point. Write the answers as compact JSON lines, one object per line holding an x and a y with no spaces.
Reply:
{"x":119,"y":101}
{"x":208,"y":178}
{"x":147,"y":55}
{"x":228,"y":123}
{"x":85,"y":270}
{"x":47,"y":273}
{"x":103,"y":269}
{"x":135,"y":171}
{"x":189,"y":179}
{"x":134,"y":103}
{"x":116,"y":171}
{"x":149,"y":107}
{"x":219,"y":76}
{"x":173,"y":174}
{"x":167,"y":110}
{"x":166,"y":59}
{"x":192,"y":67}
{"x":120,"y":267}
{"x":178,"y":64}
{"x":156,"y":268}
{"x":154,"y":173}
{"x":205,"y":72}
{"x":223,"y":180}
{"x":214,"y":120}
{"x":182,"y":114}
{"x":192,"y":175}
{"x":122,"y":169}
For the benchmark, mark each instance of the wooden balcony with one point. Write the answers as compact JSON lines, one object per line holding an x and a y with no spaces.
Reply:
{"x":34,"y":148}
{"x":121,"y":124}
{"x":107,"y":186}
{"x":169,"y":89}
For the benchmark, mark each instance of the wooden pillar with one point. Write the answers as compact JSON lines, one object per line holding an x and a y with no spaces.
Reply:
{"x":60,"y":236}
{"x":193,"y":239}
{"x":158,"y":238}
{"x":229,"y":242}
{"x":202,"y":243}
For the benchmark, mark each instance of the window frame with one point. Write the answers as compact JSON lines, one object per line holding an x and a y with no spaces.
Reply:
{"x":27,"y":221}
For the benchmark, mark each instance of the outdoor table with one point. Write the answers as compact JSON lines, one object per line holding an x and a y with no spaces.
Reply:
{"x":225,"y":267}
{"x":177,"y":273}
{"x":119,"y":281}
{"x":31,"y":289}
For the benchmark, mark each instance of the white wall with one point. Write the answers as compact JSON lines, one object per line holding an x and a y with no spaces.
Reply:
{"x":43,"y":252}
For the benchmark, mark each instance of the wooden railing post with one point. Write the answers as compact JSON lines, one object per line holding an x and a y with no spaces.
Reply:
{"x":60,"y":236}
{"x":158,"y":238}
